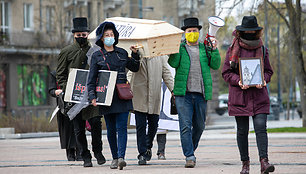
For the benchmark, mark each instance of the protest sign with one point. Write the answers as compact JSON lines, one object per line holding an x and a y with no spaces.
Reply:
{"x":77,"y":84}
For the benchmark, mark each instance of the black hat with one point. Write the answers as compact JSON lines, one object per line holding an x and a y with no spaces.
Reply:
{"x":80,"y":25}
{"x":191,"y":23}
{"x":249,"y":23}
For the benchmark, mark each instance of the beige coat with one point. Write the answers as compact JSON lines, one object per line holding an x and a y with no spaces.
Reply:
{"x":146,"y":84}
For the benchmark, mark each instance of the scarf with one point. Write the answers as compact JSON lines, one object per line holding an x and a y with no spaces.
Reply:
{"x":239,"y":43}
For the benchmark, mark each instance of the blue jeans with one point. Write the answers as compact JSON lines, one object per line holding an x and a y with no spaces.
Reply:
{"x":116,"y":125}
{"x":260,"y":127}
{"x":145,"y":140}
{"x":191,"y":110}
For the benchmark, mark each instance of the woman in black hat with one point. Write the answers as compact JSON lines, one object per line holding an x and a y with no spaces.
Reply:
{"x":245,"y":101}
{"x":110,"y":57}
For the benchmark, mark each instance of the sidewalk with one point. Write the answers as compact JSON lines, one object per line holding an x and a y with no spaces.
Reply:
{"x":217,"y":153}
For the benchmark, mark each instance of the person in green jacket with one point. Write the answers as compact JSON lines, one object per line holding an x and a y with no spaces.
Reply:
{"x":193,"y":86}
{"x":74,"y":56}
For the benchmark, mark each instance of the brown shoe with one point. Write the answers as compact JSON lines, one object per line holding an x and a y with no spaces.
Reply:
{"x":245,"y":167}
{"x":190,"y":164}
{"x":265,"y":166}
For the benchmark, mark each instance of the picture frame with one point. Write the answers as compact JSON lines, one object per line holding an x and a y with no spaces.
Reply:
{"x":251,"y":71}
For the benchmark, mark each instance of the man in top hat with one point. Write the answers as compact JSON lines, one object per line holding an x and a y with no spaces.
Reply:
{"x":74,"y":56}
{"x":193,"y":86}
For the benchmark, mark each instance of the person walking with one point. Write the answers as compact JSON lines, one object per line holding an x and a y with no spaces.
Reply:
{"x":245,"y":101}
{"x":146,"y":86}
{"x":193,"y":86}
{"x":65,"y":126}
{"x":74,"y":56}
{"x":110,"y":57}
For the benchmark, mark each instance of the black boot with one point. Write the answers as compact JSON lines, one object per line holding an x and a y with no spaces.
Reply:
{"x":87,"y":163}
{"x":78,"y":156}
{"x":100,"y":158}
{"x":70,"y":153}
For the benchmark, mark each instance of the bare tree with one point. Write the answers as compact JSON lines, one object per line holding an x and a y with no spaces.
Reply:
{"x":294,"y":24}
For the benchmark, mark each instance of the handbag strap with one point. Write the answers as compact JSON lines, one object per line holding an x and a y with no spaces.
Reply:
{"x":105,"y":59}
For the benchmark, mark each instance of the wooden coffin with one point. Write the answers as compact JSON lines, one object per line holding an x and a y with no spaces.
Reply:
{"x":154,"y":38}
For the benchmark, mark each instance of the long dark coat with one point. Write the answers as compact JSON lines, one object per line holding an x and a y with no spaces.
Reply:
{"x":251,"y":101}
{"x":74,"y":56}
{"x":65,"y":126}
{"x":117,"y":60}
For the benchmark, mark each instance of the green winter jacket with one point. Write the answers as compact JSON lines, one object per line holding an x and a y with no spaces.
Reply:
{"x":181,"y":62}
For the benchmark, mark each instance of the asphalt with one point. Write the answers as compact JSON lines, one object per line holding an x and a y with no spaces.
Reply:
{"x":217,"y":152}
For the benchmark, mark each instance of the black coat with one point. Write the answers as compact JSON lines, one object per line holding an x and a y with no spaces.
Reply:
{"x":116,"y":60}
{"x":65,"y":126}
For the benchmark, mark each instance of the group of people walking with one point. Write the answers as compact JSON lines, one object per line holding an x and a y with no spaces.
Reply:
{"x":191,"y":89}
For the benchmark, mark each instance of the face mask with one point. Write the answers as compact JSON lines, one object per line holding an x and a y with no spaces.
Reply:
{"x":81,"y":40}
{"x":109,"y":41}
{"x":249,"y":36}
{"x":192,"y":37}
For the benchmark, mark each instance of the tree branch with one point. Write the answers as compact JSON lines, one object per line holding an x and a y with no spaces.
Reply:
{"x":280,"y":14}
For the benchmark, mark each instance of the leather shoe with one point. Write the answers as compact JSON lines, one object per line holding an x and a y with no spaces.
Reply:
{"x":87,"y":163}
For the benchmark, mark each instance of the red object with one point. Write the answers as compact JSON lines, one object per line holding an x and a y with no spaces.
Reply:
{"x":87,"y":126}
{"x":124,"y":91}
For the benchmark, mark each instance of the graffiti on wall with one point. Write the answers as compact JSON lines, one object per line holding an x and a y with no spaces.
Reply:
{"x":32,"y":84}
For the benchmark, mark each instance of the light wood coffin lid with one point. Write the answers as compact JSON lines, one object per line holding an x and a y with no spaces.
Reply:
{"x":156,"y":37}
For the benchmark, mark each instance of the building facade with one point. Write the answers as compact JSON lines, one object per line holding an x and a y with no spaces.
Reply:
{"x":33,"y":32}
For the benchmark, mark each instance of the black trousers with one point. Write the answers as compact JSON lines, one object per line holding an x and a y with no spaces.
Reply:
{"x":161,"y":142}
{"x":260,"y":126}
{"x":79,"y":130}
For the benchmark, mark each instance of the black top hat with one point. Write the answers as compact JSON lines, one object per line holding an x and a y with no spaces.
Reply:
{"x":249,"y":23}
{"x":80,"y":25}
{"x":191,"y":23}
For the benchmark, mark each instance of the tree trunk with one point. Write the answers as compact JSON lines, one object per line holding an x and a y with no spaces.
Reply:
{"x":296,"y":39}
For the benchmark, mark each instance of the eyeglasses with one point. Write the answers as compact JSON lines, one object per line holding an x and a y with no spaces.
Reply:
{"x":83,"y":35}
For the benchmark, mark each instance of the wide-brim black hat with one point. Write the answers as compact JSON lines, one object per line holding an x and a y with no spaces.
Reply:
{"x":249,"y":23}
{"x":80,"y":25}
{"x":191,"y":23}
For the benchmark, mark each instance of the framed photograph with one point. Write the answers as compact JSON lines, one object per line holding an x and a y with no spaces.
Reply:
{"x":251,"y":71}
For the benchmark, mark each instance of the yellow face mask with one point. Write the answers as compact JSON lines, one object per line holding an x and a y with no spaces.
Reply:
{"x":192,"y":37}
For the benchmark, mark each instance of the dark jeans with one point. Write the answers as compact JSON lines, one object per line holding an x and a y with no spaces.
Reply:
{"x":145,"y":140}
{"x":191,"y":110}
{"x":79,"y":130}
{"x":117,"y":126}
{"x":161,"y":142}
{"x":259,"y":122}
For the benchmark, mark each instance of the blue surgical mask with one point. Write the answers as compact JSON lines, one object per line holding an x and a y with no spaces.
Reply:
{"x":109,"y":41}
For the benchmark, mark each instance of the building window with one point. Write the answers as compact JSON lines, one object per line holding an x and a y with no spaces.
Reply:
{"x":50,"y":12}
{"x":3,"y":85}
{"x":32,"y":84}
{"x":28,"y":16}
{"x":5,"y":21}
